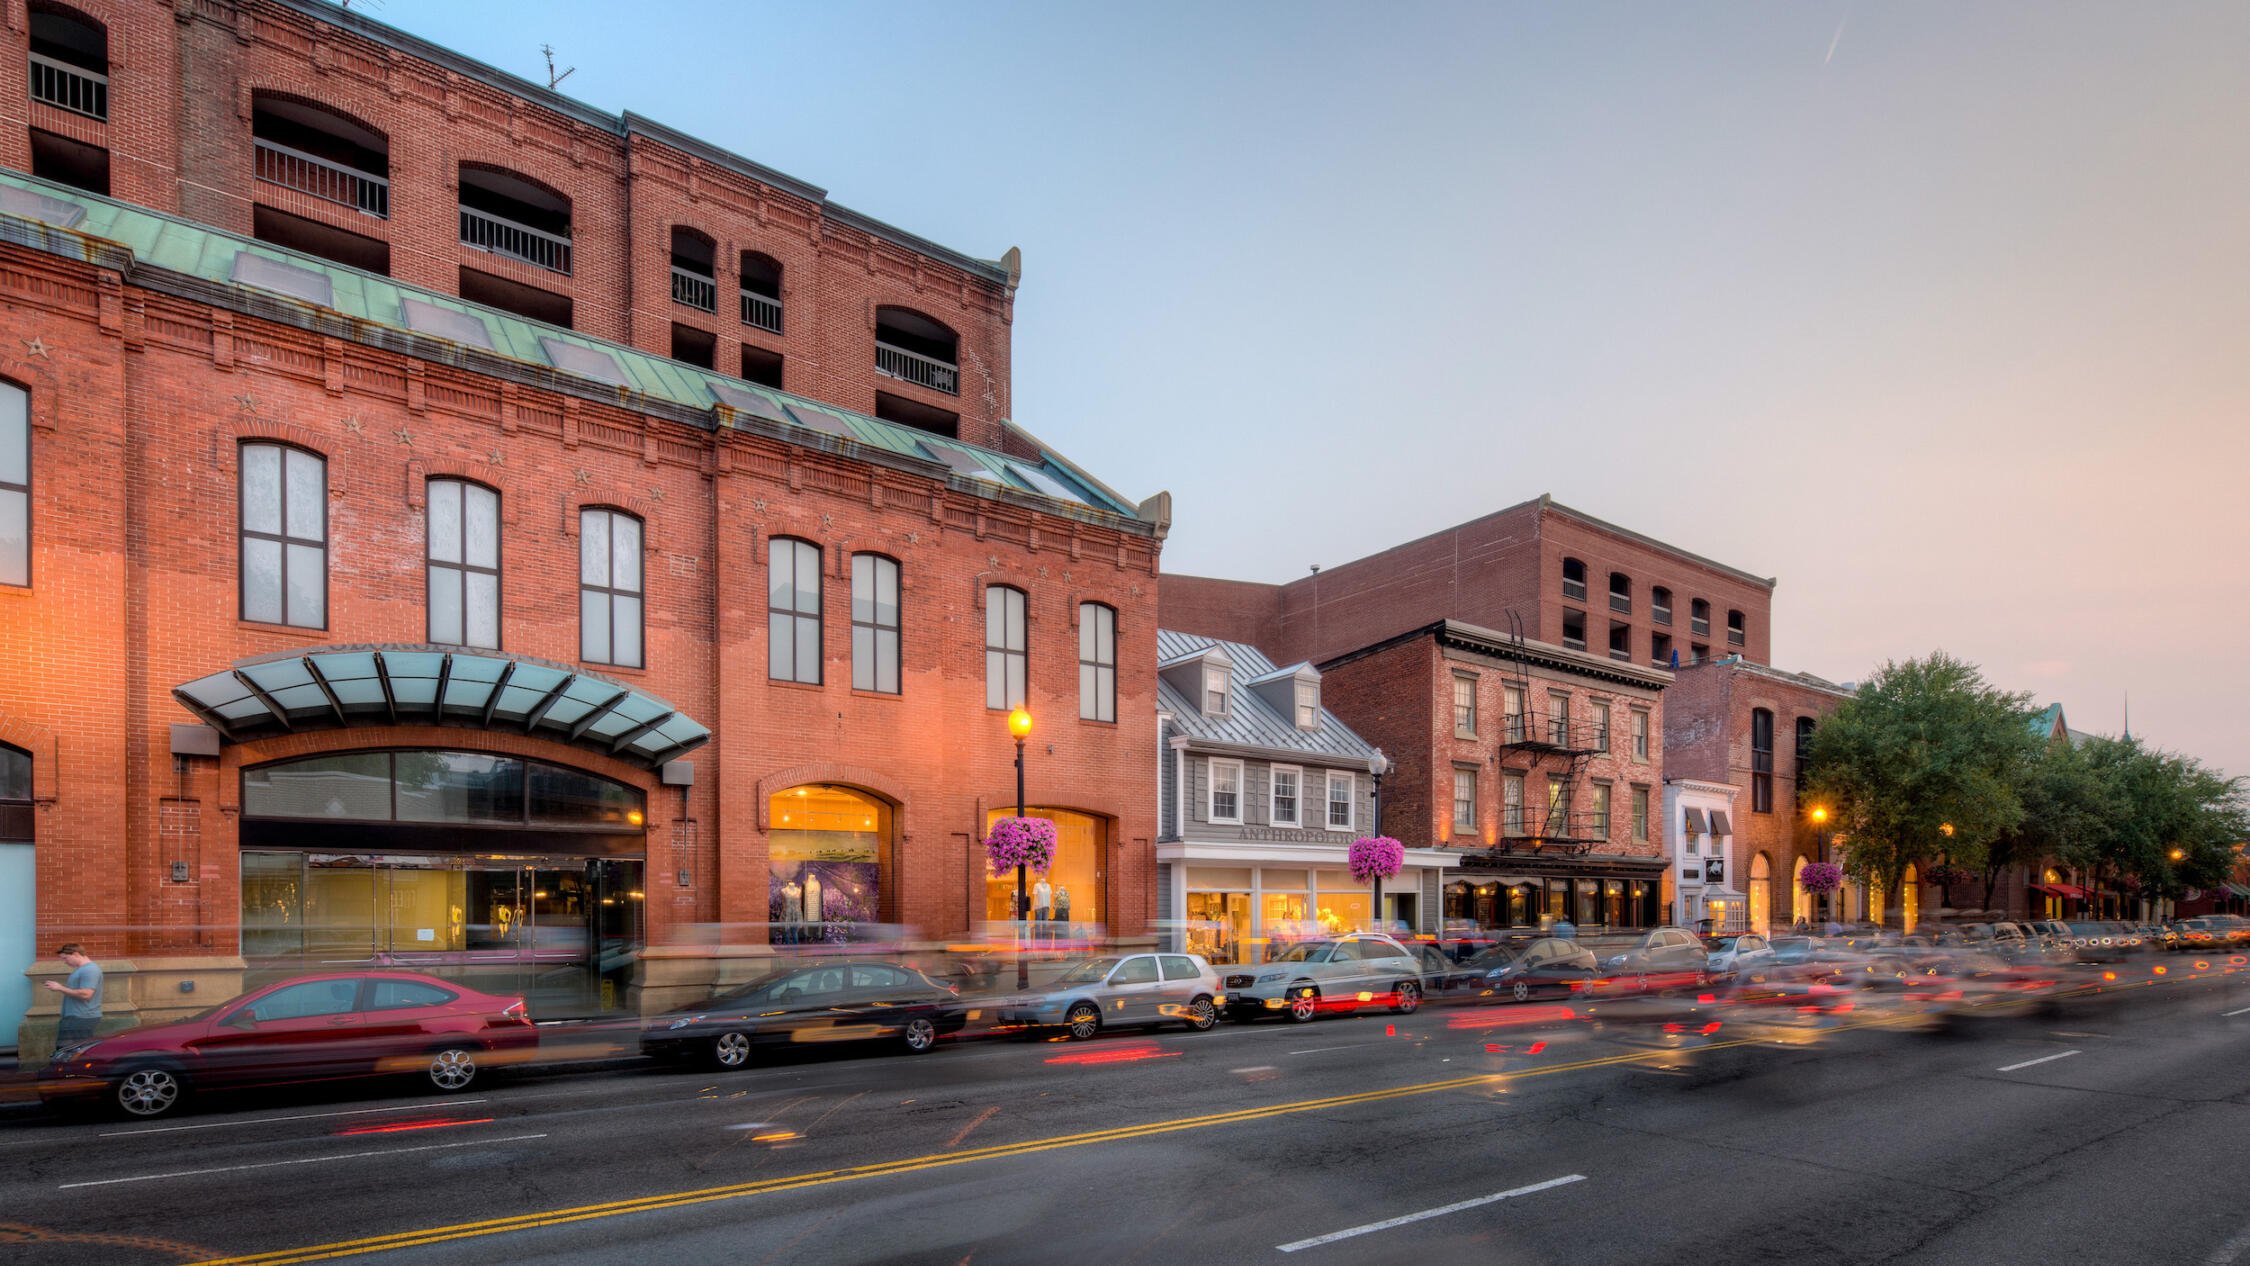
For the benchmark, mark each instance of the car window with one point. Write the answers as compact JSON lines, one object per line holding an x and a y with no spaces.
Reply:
{"x":1088,"y":972}
{"x":1753,"y":943}
{"x":1137,"y":970}
{"x":398,"y":995}
{"x":311,"y":998}
{"x":1309,"y":952}
{"x":876,"y":976}
{"x":1179,"y":967}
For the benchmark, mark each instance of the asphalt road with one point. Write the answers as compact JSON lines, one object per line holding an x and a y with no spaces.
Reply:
{"x":2107,"y":1128}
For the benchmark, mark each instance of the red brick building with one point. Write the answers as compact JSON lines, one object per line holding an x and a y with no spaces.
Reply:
{"x":1572,"y":580}
{"x":347,"y":619}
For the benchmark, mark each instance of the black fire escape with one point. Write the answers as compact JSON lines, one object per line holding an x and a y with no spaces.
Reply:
{"x":1549,"y":750}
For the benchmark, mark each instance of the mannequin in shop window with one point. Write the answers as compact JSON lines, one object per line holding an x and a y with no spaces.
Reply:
{"x":792,"y":911}
{"x":815,"y":912}
{"x":1042,"y":909}
{"x":1062,"y":910}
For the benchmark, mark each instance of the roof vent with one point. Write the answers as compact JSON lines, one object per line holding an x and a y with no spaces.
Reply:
{"x":586,"y":362}
{"x":251,"y":269}
{"x":446,"y":323}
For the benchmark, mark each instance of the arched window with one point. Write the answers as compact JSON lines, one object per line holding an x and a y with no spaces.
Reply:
{"x":1699,"y":618}
{"x":793,"y":610}
{"x":1660,"y":605}
{"x":1072,"y":887}
{"x":761,"y":291}
{"x":1620,"y":593}
{"x":513,"y":215}
{"x":1097,"y":662}
{"x":1761,"y":895}
{"x":15,"y":485}
{"x":15,"y":795}
{"x":1800,"y":901}
{"x":875,"y":623}
{"x":464,"y":564}
{"x":610,"y":598}
{"x":1006,"y":658}
{"x":694,"y":256}
{"x":1761,"y":760}
{"x":1574,"y":580}
{"x":316,"y":150}
{"x":284,"y":524}
{"x":1738,"y":631}
{"x":69,"y":60}
{"x":914,"y":348}
{"x":827,"y":855}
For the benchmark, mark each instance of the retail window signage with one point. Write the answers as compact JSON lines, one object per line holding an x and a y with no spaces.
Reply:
{"x":1715,"y":870}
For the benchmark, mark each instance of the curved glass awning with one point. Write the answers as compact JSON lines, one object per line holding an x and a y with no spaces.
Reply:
{"x":339,"y":686}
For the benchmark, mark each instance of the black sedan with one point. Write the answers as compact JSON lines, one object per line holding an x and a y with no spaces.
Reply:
{"x":1443,"y":979}
{"x":830,"y":1001}
{"x":1548,"y":967}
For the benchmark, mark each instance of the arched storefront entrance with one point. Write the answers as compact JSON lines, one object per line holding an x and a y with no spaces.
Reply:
{"x":1910,"y":899}
{"x":513,"y":875}
{"x":1075,"y":891}
{"x":1761,"y":895}
{"x":828,"y":853}
{"x":1800,"y":901}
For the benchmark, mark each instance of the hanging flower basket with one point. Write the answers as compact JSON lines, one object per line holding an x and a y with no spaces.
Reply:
{"x":1026,"y":842}
{"x":1821,"y":877}
{"x":1376,"y":857}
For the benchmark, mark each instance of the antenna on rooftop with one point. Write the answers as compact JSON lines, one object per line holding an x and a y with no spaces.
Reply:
{"x":554,"y":79}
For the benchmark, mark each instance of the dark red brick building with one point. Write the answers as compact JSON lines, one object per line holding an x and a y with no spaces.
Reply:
{"x":356,"y":613}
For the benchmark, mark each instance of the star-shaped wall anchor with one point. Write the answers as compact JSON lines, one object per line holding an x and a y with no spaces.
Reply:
{"x":584,"y":475}
{"x":992,"y":561}
{"x":656,"y":494}
{"x":496,"y":457}
{"x":758,"y":506}
{"x":35,"y":347}
{"x":404,"y":436}
{"x":352,"y":423}
{"x":914,"y":538}
{"x":246,"y":402}
{"x":1042,"y":573}
{"x":827,"y":521}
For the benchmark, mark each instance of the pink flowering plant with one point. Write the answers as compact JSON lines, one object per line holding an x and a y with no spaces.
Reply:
{"x":1821,"y":876}
{"x":1026,"y":842}
{"x":1376,"y":857}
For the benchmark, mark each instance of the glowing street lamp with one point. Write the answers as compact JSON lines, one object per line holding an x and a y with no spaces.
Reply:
{"x":1019,"y":725}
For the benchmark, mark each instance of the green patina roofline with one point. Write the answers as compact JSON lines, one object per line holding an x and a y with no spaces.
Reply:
{"x":170,"y":255}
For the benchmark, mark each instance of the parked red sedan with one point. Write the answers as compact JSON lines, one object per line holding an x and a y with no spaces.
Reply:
{"x":309,"y":1028}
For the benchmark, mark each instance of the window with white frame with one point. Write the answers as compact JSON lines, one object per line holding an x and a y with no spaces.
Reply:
{"x":1511,"y":804}
{"x":464,"y":564}
{"x":1288,"y":785}
{"x":1308,"y":705}
{"x":1343,"y":795}
{"x":1511,"y":714}
{"x":1465,"y":800}
{"x":609,"y":587}
{"x":875,"y":655}
{"x":1226,"y":791}
{"x":1464,"y":706}
{"x":793,"y":611}
{"x":1640,"y":813}
{"x":1601,"y":727}
{"x":1601,"y":809}
{"x":15,"y":485}
{"x":1640,"y":734}
{"x":284,"y":536}
{"x":1097,"y":662}
{"x":1006,"y":661}
{"x":1215,"y":688}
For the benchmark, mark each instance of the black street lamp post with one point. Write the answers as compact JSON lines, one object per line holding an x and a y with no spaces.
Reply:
{"x":1379,"y":765}
{"x":1019,"y":725}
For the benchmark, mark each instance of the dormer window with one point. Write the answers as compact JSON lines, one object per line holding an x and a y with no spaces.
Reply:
{"x":1215,"y":688}
{"x":1308,"y":705}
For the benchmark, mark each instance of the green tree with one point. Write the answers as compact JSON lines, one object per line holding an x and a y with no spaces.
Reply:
{"x":1924,"y":762}
{"x":2069,"y":806}
{"x":2174,"y":822}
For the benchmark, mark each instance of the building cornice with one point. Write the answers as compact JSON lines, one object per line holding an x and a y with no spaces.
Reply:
{"x":1286,"y":755}
{"x":1456,"y":635}
{"x":1547,"y":504}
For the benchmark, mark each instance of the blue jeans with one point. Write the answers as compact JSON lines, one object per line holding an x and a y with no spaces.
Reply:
{"x":75,"y":1029}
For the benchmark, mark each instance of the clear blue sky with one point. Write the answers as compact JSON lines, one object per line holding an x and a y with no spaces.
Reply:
{"x":1936,"y":312}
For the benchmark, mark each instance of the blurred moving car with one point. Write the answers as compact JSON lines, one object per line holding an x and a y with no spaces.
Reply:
{"x":1346,"y":973}
{"x":2100,"y":942}
{"x":1665,"y":958}
{"x":307,"y":1028}
{"x":1549,"y":967}
{"x":1444,"y":978}
{"x":1742,"y":957}
{"x":1111,"y":992}
{"x":832,"y":1001}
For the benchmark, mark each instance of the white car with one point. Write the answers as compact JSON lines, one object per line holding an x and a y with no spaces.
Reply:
{"x":1739,"y":957}
{"x":1341,"y":974}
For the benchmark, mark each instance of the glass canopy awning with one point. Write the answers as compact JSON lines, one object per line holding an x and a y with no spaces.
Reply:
{"x":339,"y":686}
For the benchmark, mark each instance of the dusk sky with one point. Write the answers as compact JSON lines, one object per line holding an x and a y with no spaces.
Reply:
{"x":1935,"y":312}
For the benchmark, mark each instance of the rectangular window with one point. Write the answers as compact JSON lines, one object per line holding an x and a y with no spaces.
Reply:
{"x":609,"y":587}
{"x":284,"y":536}
{"x":1097,"y":662}
{"x":1308,"y":705}
{"x":15,"y":485}
{"x":1511,"y":804}
{"x":1343,"y":791}
{"x":1804,"y":744}
{"x":875,"y":624}
{"x":1601,"y":809}
{"x":1558,"y":718}
{"x":1601,"y":727}
{"x":793,"y":611}
{"x":1761,"y":761}
{"x":1660,"y":649}
{"x":1511,"y":709}
{"x":1287,"y":782}
{"x":1464,"y":706}
{"x":464,"y":564}
{"x":1640,"y":813}
{"x":1465,"y":800}
{"x":1226,"y":791}
{"x":1574,"y":629}
{"x":1005,"y":659}
{"x":1216,"y":684}
{"x":1737,"y":633}
{"x":1558,"y":804}
{"x":1621,"y":642}
{"x":1640,"y":734}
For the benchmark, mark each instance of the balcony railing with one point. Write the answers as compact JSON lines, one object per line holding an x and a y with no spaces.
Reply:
{"x":331,"y":181}
{"x":1621,"y":602}
{"x":694,"y":290}
{"x":1575,"y":590}
{"x":1700,"y":626}
{"x":763,"y":311}
{"x":1735,"y":637}
{"x":914,"y":367}
{"x":74,"y":88}
{"x":1661,"y":613}
{"x":537,"y":247}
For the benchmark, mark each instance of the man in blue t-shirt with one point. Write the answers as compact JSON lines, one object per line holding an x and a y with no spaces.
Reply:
{"x":82,"y":996}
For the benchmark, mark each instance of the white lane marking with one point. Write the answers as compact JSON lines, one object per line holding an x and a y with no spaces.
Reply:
{"x":2044,"y":1059}
{"x":2230,"y":1014}
{"x":1254,"y":1068}
{"x":1387,"y":1223}
{"x":1348,"y":1046}
{"x":306,"y":1160}
{"x":309,"y":1116}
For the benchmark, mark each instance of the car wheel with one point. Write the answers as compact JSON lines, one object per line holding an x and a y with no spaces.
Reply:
{"x":1521,"y":990}
{"x":1409,"y":995}
{"x":147,"y":1092}
{"x":1304,"y":1003}
{"x":452,"y":1068}
{"x":1084,"y":1021}
{"x":1202,"y":1016}
{"x":920,"y":1035}
{"x":731,"y":1050}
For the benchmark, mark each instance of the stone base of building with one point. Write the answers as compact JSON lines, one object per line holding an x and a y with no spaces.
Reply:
{"x":135,"y":992}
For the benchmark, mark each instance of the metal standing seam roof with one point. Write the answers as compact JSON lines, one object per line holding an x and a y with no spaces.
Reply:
{"x":1250,"y":720}
{"x":220,"y":258}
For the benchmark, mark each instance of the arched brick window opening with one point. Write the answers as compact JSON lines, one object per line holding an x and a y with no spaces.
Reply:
{"x":915,"y":348}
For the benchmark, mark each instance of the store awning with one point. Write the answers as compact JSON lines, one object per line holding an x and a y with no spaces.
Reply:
{"x":2238,"y":890}
{"x":1719,"y":824}
{"x":1695,"y":823}
{"x":337,"y":687}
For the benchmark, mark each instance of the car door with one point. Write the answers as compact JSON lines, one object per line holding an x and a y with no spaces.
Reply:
{"x":1133,"y":992}
{"x":878,"y":999}
{"x":801,"y":1007}
{"x":398,"y":1017}
{"x":1183,"y":980}
{"x":308,"y":1029}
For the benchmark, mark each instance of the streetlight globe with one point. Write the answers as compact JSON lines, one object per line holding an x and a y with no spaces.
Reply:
{"x":2178,"y":854}
{"x":1019,"y":723}
{"x":1945,"y":829}
{"x":1819,"y":814}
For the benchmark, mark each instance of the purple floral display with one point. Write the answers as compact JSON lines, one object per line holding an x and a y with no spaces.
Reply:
{"x":1026,"y":842}
{"x":1821,"y":877}
{"x":1376,"y":857}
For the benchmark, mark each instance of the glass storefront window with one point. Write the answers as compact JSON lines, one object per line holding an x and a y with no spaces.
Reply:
{"x":568,"y":797}
{"x":1074,"y":882}
{"x":1342,"y":912}
{"x":1282,"y":918}
{"x":339,"y":909}
{"x":273,"y":916}
{"x":459,"y":787}
{"x":440,"y":787}
{"x":825,"y":848}
{"x":1218,"y":926}
{"x":351,"y":785}
{"x":1590,"y":903}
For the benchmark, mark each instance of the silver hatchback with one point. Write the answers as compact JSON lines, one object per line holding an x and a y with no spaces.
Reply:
{"x":1134,"y":989}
